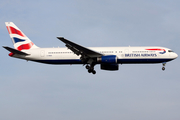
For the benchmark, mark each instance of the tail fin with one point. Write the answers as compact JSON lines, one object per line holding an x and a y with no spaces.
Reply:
{"x":19,"y":39}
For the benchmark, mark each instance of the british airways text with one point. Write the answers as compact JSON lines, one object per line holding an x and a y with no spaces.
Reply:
{"x":140,"y":55}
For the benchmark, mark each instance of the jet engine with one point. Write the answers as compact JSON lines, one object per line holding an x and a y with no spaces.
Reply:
{"x":108,"y":62}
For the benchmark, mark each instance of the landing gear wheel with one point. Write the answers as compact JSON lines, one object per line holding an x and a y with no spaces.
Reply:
{"x":93,"y":72}
{"x":164,"y":64}
{"x":89,"y":71}
{"x":90,"y":66}
{"x":163,"y":68}
{"x":87,"y":66}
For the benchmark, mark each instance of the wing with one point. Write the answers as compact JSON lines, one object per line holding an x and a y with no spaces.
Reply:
{"x":80,"y":50}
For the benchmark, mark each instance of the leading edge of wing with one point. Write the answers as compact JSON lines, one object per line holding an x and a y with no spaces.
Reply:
{"x":80,"y":50}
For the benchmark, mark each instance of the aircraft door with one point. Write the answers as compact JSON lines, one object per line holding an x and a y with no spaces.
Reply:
{"x":126,"y":51}
{"x":42,"y":53}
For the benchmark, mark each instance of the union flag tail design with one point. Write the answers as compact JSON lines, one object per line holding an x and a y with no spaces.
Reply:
{"x":19,"y":39}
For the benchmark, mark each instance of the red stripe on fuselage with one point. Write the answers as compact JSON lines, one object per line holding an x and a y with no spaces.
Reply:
{"x":15,"y":31}
{"x":25,"y":46}
{"x":156,"y":49}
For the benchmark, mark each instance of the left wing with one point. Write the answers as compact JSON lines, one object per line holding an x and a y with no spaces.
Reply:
{"x":80,"y":50}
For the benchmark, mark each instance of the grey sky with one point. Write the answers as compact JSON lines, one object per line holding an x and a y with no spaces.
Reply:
{"x":35,"y":91}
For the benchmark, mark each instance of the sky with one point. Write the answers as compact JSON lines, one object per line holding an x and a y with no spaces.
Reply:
{"x":35,"y":91}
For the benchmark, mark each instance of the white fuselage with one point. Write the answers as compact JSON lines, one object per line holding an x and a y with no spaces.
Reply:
{"x":124,"y":55}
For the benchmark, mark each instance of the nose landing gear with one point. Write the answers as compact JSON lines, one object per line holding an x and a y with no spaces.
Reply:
{"x":163,"y":68}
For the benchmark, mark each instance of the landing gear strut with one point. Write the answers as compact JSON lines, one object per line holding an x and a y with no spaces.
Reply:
{"x":90,"y":69}
{"x":163,"y":68}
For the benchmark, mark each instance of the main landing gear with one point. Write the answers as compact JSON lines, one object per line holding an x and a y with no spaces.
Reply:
{"x":90,"y":69}
{"x":163,"y":68}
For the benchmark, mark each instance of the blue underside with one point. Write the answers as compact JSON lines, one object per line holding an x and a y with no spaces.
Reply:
{"x":120,"y":61}
{"x":133,"y":61}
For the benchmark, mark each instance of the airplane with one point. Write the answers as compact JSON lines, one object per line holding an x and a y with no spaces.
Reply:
{"x":109,"y":58}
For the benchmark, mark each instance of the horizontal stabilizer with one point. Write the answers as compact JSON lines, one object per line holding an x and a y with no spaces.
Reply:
{"x":15,"y":51}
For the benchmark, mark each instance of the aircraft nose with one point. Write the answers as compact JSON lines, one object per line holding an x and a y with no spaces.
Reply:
{"x":175,"y":55}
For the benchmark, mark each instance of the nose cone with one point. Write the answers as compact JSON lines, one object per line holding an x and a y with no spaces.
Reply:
{"x":175,"y":55}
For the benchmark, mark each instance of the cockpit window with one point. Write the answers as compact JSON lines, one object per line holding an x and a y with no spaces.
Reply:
{"x":170,"y":51}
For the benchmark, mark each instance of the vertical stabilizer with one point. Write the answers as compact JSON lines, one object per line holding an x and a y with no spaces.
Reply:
{"x":19,"y":39}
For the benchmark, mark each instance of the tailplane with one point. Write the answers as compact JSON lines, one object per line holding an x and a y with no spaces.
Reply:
{"x":14,"y":51}
{"x":19,"y":39}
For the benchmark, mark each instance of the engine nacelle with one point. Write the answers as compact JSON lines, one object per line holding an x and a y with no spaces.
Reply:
{"x":108,"y":59}
{"x":109,"y":66}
